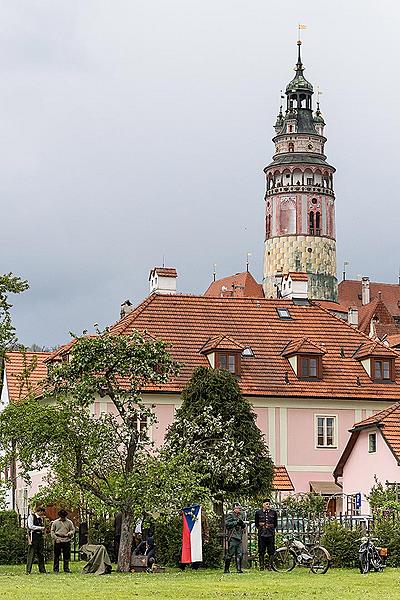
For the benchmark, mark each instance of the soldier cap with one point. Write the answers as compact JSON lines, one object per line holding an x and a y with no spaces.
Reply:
{"x":236,"y":505}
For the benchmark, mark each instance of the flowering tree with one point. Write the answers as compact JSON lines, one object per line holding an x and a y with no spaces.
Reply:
{"x":104,"y":456}
{"x":216,"y":427}
{"x":9,"y":284}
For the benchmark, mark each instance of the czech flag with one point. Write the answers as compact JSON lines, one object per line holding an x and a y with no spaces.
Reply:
{"x":191,"y":535}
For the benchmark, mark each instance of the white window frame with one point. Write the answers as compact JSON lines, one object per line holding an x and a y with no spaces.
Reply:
{"x":149,"y":428}
{"x":335,"y":430}
{"x":372,"y":433}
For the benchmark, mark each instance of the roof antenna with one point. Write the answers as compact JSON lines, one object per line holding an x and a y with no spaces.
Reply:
{"x":346,"y":264}
{"x":214,"y":271}
{"x":247,"y":260}
{"x":163,"y":261}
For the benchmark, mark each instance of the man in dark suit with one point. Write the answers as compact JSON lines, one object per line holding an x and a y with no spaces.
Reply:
{"x":266,"y":521}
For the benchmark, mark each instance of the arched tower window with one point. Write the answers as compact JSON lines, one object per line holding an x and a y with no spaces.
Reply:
{"x":291,"y":147}
{"x":318,"y":223}
{"x":290,"y":128}
{"x":268,"y":226}
{"x":311,"y":228}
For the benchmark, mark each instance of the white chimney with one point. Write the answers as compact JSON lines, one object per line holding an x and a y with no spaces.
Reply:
{"x":365,"y":292}
{"x":352,"y":316}
{"x":163,"y":280}
{"x":294,"y":286}
{"x":126,"y":308}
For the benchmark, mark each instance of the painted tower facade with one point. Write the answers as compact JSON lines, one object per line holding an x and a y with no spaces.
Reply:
{"x":299,"y":197}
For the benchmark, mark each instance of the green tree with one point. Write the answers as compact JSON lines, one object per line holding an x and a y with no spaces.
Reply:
{"x":9,"y":284}
{"x":104,"y":456}
{"x":215,"y":426}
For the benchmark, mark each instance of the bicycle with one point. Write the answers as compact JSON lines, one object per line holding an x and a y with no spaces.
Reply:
{"x":295,"y":553}
{"x":369,"y":556}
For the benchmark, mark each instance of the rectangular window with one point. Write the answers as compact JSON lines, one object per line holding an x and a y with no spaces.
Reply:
{"x":229,"y":362}
{"x":372,"y":442}
{"x":326,"y":431}
{"x":310,"y":367}
{"x":309,"y":180}
{"x":382,"y":370}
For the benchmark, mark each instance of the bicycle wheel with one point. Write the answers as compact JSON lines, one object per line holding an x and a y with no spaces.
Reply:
{"x":376,"y":560}
{"x":364,"y":562}
{"x":283,"y":561}
{"x":320,"y":562}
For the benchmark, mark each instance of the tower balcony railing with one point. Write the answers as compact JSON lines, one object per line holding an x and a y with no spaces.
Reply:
{"x":317,"y":189}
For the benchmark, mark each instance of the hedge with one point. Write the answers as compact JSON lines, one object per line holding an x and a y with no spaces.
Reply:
{"x":13,"y":539}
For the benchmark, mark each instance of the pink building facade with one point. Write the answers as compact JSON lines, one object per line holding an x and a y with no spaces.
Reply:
{"x":370,"y":455}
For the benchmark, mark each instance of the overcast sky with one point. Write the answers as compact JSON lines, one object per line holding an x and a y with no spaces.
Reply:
{"x":132,"y":130}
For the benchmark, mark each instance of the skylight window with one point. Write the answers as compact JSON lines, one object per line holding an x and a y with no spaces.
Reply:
{"x":283,"y":313}
{"x":248,"y":352}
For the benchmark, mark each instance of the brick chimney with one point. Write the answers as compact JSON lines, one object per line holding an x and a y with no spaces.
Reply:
{"x":163,"y":280}
{"x":365,"y":291}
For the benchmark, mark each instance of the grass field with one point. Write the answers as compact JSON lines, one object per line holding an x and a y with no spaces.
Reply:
{"x":173,"y":585}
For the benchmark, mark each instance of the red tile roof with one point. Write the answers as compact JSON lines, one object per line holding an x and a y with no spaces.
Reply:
{"x":297,"y":276}
{"x":350,"y":294}
{"x":334,"y":307}
{"x":388,"y":422}
{"x":188,"y":323}
{"x":18,"y":385}
{"x":393,"y":340}
{"x":221,"y":342}
{"x":281,"y":481}
{"x":302,"y":346}
{"x":377,"y":313}
{"x":163,"y":272}
{"x":241,"y":285}
{"x":374,"y":348}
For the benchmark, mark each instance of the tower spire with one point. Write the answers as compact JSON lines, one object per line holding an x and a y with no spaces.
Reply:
{"x":299,"y":65}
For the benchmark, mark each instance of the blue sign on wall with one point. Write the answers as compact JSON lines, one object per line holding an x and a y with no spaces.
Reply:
{"x":358,"y":500}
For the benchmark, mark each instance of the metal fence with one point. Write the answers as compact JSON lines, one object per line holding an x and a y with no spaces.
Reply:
{"x":308,"y":528}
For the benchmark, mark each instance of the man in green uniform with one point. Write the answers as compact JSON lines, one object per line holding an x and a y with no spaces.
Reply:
{"x":235,"y":527}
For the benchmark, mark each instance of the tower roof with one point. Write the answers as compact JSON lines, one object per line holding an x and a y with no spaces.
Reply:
{"x":299,"y":82}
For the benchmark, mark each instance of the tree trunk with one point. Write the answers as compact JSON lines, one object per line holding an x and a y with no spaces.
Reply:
{"x":125,"y":545}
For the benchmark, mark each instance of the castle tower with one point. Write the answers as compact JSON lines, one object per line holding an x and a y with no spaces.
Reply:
{"x":299,"y":197}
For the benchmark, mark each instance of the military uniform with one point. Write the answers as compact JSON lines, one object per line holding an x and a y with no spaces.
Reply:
{"x":266,"y":522}
{"x":235,"y":527}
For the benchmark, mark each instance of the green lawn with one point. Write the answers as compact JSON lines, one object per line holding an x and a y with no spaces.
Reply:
{"x":298,"y":585}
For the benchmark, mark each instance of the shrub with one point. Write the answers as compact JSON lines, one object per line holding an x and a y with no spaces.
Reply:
{"x":13,"y":539}
{"x":341,"y":543}
{"x":388,"y":533}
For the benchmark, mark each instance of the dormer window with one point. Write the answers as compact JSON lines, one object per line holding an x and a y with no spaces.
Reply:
{"x":382,"y":370}
{"x":309,"y":367}
{"x":378,"y":361}
{"x":305,"y":358}
{"x":223,"y":352}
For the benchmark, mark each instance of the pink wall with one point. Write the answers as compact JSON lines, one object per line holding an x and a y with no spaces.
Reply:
{"x":362,"y":466}
{"x":301,"y":479}
{"x":165,"y":416}
{"x":301,"y":436}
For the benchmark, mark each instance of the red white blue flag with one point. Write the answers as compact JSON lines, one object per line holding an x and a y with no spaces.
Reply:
{"x":191,"y":535}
